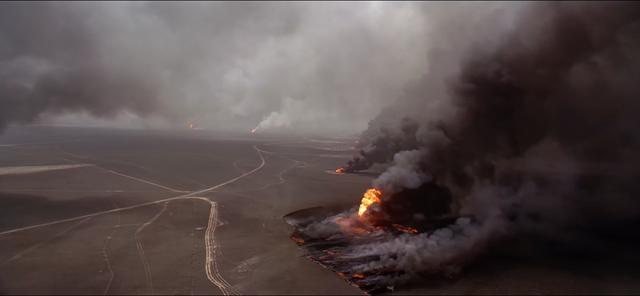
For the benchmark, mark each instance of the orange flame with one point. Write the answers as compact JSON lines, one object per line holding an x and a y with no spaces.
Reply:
{"x":372,"y":196}
{"x":405,"y":229}
{"x":298,"y":240}
{"x":340,"y":170}
{"x":358,"y":276}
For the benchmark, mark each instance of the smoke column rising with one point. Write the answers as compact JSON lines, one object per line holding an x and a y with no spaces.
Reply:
{"x":539,"y":137}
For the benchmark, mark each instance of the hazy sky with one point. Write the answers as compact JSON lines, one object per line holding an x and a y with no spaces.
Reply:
{"x":313,"y":66}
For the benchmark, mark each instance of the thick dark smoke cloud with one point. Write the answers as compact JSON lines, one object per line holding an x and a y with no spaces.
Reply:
{"x":383,"y":144}
{"x":538,"y":135}
{"x":222,"y":65}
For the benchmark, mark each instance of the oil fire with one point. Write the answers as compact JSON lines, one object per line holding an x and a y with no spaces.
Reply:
{"x":193,"y":126}
{"x":340,"y":170}
{"x":358,"y":276}
{"x":405,"y":229}
{"x":297,"y":239}
{"x":372,"y":196}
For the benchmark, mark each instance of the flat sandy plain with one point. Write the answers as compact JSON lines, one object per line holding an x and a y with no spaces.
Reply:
{"x":98,"y":211}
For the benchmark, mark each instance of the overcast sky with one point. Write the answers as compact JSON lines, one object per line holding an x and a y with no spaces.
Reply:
{"x":310,"y":66}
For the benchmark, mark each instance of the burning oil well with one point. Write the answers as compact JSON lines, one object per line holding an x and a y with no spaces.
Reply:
{"x":367,"y":246}
{"x":540,"y":139}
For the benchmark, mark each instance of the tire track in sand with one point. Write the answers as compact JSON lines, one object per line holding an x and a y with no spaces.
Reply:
{"x":141,"y":253}
{"x":42,"y":243}
{"x":115,"y":210}
{"x":211,"y":266}
{"x":211,"y":248}
{"x":105,"y":253}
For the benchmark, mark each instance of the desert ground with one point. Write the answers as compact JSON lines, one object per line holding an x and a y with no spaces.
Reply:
{"x":96,"y":211}
{"x":103,"y":211}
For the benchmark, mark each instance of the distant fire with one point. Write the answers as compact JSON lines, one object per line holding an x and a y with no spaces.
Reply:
{"x":253,"y":131}
{"x":340,"y":170}
{"x":193,"y":126}
{"x":371,"y":197}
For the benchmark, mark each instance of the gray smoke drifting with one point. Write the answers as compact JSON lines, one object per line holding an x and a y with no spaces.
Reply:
{"x":534,"y":135}
{"x":381,"y":144}
{"x":404,"y":174}
{"x":223,"y":65}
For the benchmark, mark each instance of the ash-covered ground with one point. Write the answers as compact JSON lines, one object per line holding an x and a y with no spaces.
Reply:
{"x":455,"y":255}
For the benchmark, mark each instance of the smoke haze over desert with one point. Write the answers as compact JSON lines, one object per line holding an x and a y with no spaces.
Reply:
{"x":411,"y":147}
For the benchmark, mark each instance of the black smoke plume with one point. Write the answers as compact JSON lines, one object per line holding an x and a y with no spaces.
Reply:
{"x":549,"y":115}
{"x":543,"y":141}
{"x":380,"y":145}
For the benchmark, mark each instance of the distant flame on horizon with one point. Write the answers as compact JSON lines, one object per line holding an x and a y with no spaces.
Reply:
{"x":255,"y":129}
{"x":193,"y":126}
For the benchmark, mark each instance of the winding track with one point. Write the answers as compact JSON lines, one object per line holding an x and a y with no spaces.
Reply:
{"x":281,"y":179}
{"x":105,"y":253}
{"x":38,"y":245}
{"x":211,"y":266}
{"x":121,"y":174}
{"x":194,"y":193}
{"x":143,"y":257}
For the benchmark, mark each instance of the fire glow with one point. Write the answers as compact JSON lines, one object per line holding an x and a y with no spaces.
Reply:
{"x":193,"y":126}
{"x":371,"y":196}
{"x":405,"y":229}
{"x":334,"y":240}
{"x":340,"y":170}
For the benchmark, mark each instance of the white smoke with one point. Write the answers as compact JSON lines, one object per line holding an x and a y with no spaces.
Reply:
{"x":437,"y":252}
{"x":292,"y":113}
